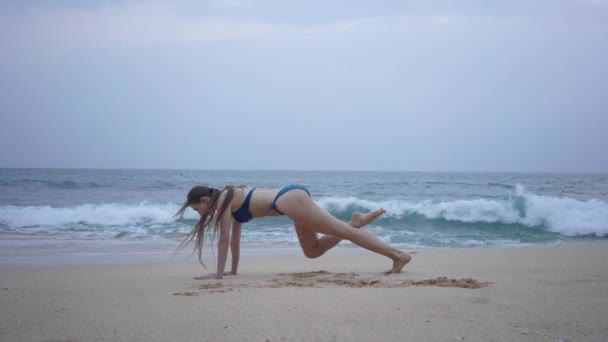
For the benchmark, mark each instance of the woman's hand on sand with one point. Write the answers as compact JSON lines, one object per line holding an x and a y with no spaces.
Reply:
{"x":213,"y":276}
{"x":208,"y":276}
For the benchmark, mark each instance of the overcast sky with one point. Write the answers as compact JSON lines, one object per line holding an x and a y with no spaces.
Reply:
{"x":471,"y":85}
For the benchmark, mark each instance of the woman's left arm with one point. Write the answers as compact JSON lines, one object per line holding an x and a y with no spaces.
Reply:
{"x":223,"y":243}
{"x":235,"y":246}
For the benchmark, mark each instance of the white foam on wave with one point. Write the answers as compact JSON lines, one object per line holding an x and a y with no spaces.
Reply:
{"x":563,"y":215}
{"x":566,"y":216}
{"x":112,"y":214}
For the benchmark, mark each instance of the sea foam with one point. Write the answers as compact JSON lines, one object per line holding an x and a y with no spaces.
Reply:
{"x":563,"y":215}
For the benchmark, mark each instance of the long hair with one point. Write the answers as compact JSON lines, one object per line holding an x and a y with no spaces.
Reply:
{"x":198,"y":231}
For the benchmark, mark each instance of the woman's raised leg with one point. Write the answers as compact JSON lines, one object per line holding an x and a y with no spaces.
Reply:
{"x":314,"y":247}
{"x":299,"y":207}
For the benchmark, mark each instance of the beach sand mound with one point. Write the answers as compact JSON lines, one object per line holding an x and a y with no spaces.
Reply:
{"x":321,"y":279}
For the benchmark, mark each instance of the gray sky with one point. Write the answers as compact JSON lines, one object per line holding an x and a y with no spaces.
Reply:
{"x":472,"y":85}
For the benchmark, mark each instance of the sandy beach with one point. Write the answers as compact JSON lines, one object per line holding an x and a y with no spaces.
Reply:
{"x":512,"y":294}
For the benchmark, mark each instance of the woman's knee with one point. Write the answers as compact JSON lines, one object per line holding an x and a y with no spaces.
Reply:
{"x":308,"y":241}
{"x":312,"y":253}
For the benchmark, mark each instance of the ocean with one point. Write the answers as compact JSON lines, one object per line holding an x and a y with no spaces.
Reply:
{"x":99,"y":207}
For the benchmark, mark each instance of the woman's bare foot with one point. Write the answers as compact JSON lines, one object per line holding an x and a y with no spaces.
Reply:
{"x":399,"y":262}
{"x":359,"y":220}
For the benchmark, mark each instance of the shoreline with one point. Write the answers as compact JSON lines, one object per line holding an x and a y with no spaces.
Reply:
{"x":16,"y":253}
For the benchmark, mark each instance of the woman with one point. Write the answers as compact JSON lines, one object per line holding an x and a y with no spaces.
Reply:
{"x":234,"y":206}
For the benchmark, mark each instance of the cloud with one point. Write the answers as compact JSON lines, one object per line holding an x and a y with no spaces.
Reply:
{"x":228,"y":3}
{"x":54,"y":30}
{"x":63,"y":29}
{"x":441,"y":20}
{"x":596,"y":2}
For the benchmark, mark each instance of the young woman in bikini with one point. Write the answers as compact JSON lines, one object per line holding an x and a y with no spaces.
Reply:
{"x":235,"y":205}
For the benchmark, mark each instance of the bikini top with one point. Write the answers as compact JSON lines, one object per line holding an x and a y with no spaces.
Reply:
{"x":243,"y":214}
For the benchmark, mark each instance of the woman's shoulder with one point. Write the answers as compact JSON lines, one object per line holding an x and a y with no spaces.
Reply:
{"x":237,"y":192}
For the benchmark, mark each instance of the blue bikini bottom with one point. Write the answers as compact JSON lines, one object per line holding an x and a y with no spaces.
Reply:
{"x":243,"y":214}
{"x":282,"y":192}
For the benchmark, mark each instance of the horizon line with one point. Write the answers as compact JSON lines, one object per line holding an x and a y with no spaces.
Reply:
{"x":293,"y":170}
